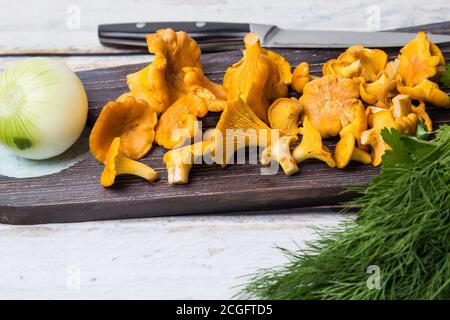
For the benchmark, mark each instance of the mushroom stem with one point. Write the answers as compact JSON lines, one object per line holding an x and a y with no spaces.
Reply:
{"x":126,"y":165}
{"x":373,"y":138}
{"x":280,"y":152}
{"x":117,"y":163}
{"x":401,"y":106}
{"x":179,"y":161}
{"x":361,"y":156}
{"x":311,"y":146}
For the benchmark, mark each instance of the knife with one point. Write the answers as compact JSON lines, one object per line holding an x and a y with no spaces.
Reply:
{"x":221,"y":36}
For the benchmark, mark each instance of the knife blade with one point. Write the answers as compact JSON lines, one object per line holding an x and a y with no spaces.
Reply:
{"x":220,"y":36}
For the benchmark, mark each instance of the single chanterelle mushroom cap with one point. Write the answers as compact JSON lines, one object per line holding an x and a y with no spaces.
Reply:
{"x":427,"y":91}
{"x":372,"y":137}
{"x":419,"y":60}
{"x":405,"y":119}
{"x":215,"y":95}
{"x":284,"y":67}
{"x":359,"y":122}
{"x":284,"y":115}
{"x":346,"y":151}
{"x":238,"y":127}
{"x":260,"y":77}
{"x":357,"y":61}
{"x":280,"y":152}
{"x":311,"y":146}
{"x":381,"y":91}
{"x":165,"y":76}
{"x":328,"y":103}
{"x":179,"y":122}
{"x":300,"y":77}
{"x":117,"y":164}
{"x":179,"y":161}
{"x":350,"y":134}
{"x":130,"y":119}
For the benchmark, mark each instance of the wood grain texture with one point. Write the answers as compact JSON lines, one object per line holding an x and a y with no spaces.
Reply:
{"x":76,"y":195}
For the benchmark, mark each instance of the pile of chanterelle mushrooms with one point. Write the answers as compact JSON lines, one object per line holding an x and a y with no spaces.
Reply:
{"x":360,"y":93}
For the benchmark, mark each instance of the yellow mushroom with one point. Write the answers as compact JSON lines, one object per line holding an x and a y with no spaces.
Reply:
{"x":422,"y":114}
{"x":300,"y":77}
{"x":399,"y":116}
{"x":357,"y":61}
{"x":405,"y":119}
{"x":346,"y":70}
{"x":427,"y":91}
{"x":311,"y":146}
{"x":419,"y":60}
{"x":373,"y":138}
{"x":284,"y":115}
{"x":381,"y":91}
{"x":284,"y":67}
{"x":280,"y":152}
{"x":259,"y":77}
{"x":346,"y":151}
{"x":130,"y":119}
{"x":178,"y":123}
{"x":179,"y":161}
{"x":214,"y":94}
{"x":175,"y":71}
{"x":238,"y":127}
{"x":328,"y":103}
{"x":359,"y":122}
{"x":117,"y":164}
{"x":350,"y":134}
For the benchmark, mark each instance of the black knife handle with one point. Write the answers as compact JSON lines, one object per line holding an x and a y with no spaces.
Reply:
{"x":211,"y":35}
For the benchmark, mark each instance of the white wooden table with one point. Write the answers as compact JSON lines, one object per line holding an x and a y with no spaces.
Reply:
{"x":176,"y":257}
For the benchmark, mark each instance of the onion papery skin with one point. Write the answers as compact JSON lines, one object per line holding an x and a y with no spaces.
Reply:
{"x":43,"y":108}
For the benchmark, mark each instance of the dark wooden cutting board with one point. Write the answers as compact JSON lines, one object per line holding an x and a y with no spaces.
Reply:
{"x":76,"y":195}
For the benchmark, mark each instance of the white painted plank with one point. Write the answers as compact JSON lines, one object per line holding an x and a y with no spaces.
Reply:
{"x":78,"y":63}
{"x":50,"y":25}
{"x":196,"y":257}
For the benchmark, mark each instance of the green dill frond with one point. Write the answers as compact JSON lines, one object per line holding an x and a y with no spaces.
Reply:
{"x":403,"y":228}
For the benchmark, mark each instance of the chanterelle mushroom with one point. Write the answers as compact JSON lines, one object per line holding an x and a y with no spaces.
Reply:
{"x":300,"y":77}
{"x":381,"y":91}
{"x":130,"y":119}
{"x":328,"y":103}
{"x":346,"y":149}
{"x":179,"y":122}
{"x":260,"y":77}
{"x":280,"y":152}
{"x":421,"y":113}
{"x":427,"y":91}
{"x":215,"y":95}
{"x":284,"y":115}
{"x":357,"y":61}
{"x":419,"y":60}
{"x":179,"y":161}
{"x":117,"y":164}
{"x":238,"y":126}
{"x":175,"y":71}
{"x":400,"y":117}
{"x":311,"y":146}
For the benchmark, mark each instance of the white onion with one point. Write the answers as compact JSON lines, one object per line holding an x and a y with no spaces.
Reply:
{"x":43,"y":108}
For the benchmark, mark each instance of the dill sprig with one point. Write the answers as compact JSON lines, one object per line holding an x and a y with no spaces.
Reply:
{"x":403,"y":228}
